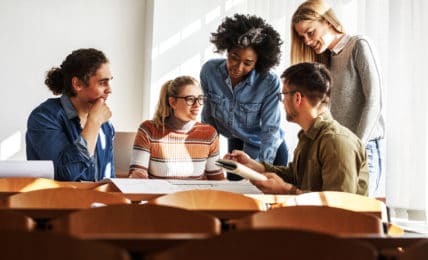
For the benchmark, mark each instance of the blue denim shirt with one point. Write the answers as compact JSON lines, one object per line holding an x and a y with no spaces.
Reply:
{"x":53,"y":133}
{"x":250,"y":111}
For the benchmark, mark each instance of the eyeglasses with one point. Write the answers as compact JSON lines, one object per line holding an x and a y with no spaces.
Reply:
{"x":281,"y":95}
{"x":191,"y":100}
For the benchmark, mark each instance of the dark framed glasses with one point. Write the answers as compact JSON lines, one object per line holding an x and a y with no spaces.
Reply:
{"x":281,"y":95}
{"x":191,"y":100}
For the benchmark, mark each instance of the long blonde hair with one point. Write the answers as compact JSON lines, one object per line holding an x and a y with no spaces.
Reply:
{"x":312,"y":10}
{"x":171,"y":88}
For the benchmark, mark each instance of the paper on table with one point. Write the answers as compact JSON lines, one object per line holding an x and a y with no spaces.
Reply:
{"x":243,"y":186}
{"x":148,"y":186}
{"x":36,"y":168}
{"x":153,"y":186}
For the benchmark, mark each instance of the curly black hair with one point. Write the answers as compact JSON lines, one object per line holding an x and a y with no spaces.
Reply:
{"x":242,"y":31}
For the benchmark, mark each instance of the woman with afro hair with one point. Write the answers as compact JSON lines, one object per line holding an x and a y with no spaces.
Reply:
{"x":242,"y":90}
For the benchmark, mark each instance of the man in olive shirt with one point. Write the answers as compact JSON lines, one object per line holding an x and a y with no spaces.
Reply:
{"x":328,"y":156}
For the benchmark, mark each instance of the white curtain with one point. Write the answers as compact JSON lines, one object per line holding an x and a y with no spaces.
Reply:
{"x":407,"y":150}
{"x":398,"y":28}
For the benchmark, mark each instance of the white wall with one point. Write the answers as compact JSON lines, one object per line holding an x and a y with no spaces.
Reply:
{"x":36,"y":35}
{"x":147,"y":42}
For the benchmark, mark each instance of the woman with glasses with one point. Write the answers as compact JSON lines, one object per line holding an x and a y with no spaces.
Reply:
{"x":173,"y":144}
{"x":356,"y":96}
{"x":242,"y":91}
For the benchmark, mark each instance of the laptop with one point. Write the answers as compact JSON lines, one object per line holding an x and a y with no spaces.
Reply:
{"x":34,"y":168}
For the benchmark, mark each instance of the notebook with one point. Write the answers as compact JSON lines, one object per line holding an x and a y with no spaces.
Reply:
{"x":241,"y":170}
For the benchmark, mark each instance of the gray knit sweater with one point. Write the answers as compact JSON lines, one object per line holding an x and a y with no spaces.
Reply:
{"x":356,"y":96}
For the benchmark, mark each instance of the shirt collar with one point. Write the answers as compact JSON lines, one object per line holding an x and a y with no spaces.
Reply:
{"x":68,"y":107}
{"x":318,"y":125}
{"x":341,"y":44}
{"x":249,"y":80}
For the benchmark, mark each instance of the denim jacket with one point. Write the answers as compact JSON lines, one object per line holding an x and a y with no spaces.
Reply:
{"x":53,"y":133}
{"x":250,"y":111}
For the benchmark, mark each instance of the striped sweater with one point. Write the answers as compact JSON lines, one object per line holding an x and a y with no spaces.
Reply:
{"x":171,"y":154}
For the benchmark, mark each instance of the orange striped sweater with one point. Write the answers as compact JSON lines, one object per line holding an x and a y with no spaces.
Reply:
{"x":170,"y":154}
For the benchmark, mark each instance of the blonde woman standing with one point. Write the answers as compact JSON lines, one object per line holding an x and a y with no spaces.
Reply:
{"x":173,"y":145}
{"x":356,"y":95}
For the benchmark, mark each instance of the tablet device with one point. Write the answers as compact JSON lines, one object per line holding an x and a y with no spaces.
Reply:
{"x":240,"y":169}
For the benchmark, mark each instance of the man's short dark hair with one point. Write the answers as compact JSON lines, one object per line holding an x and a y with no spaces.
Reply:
{"x":313,"y":80}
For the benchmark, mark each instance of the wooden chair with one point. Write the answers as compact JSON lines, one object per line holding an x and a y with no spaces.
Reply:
{"x":209,"y":200}
{"x":343,"y":200}
{"x":64,"y":198}
{"x":107,"y":187}
{"x":222,"y":204}
{"x":10,"y":220}
{"x":270,"y":244}
{"x":24,"y":184}
{"x":416,"y":251}
{"x":123,"y":143}
{"x":323,"y":219}
{"x":49,"y":246}
{"x":136,"y":219}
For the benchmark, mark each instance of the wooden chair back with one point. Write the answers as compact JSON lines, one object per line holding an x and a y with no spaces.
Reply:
{"x":209,"y":200}
{"x":24,"y":184}
{"x":270,"y":244}
{"x":343,"y":200}
{"x":136,"y":219}
{"x":10,"y":220}
{"x":107,"y":187}
{"x":417,"y":251}
{"x":50,"y":246}
{"x":123,"y":143}
{"x":323,"y":219}
{"x":64,"y":198}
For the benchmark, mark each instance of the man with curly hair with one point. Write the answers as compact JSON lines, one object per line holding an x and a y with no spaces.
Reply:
{"x":242,"y":90}
{"x":74,"y":131}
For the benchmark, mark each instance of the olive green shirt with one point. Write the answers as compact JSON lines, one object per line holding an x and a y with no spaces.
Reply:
{"x":327,"y":157}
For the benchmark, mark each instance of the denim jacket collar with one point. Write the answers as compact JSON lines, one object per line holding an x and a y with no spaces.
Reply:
{"x":68,"y":107}
{"x":248,"y":81}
